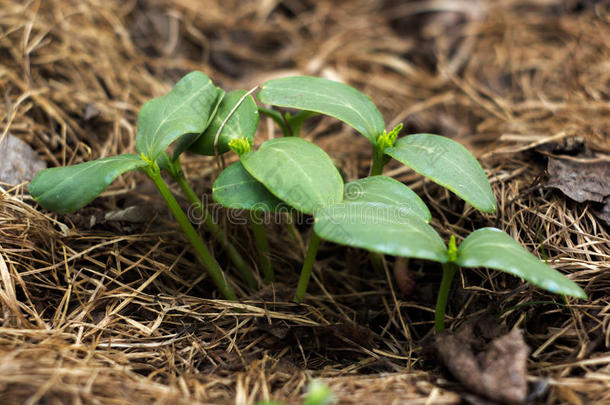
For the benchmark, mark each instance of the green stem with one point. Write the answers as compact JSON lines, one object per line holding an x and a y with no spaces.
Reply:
{"x":296,"y":121}
{"x":278,"y":118}
{"x":449,"y":270}
{"x":201,"y":250}
{"x":376,"y":169}
{"x":289,"y":124}
{"x":262,"y":245}
{"x":378,"y":162}
{"x":310,"y":258}
{"x":208,"y":221}
{"x":376,"y":260}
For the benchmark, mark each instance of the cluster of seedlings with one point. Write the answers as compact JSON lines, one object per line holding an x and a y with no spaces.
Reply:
{"x":376,"y":213}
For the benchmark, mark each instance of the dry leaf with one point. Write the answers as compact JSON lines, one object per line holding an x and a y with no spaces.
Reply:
{"x":19,"y":162}
{"x":582,"y":180}
{"x":497,"y":370}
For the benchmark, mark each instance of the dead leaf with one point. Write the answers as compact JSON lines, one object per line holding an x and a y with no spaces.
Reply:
{"x":19,"y":162}
{"x":579,"y":173}
{"x":580,"y":180}
{"x":497,"y":370}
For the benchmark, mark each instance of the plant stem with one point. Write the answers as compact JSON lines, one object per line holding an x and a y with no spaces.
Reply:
{"x":449,"y":270}
{"x":376,"y":260}
{"x":296,"y":121}
{"x":212,"y":226}
{"x":376,"y":169}
{"x":290,"y":125}
{"x":201,"y":250}
{"x":278,"y":118}
{"x":310,"y":258}
{"x":262,"y":245}
{"x":378,"y":162}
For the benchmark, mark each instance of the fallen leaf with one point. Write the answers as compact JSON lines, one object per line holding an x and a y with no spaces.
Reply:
{"x":580,"y":180}
{"x":19,"y":162}
{"x":496,"y":370}
{"x":580,"y":173}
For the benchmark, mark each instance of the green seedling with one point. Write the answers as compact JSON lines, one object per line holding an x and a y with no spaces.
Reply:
{"x":376,"y":213}
{"x":370,"y":216}
{"x":235,"y":117}
{"x":182,"y":116}
{"x":234,"y":127}
{"x":392,"y":230}
{"x":303,"y":178}
{"x":283,"y":173}
{"x":440,"y":159}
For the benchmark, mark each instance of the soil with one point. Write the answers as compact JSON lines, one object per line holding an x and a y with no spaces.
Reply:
{"x":113,"y":311}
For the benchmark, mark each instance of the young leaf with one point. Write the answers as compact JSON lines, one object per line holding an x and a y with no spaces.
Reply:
{"x":327,"y":97}
{"x":447,"y":163}
{"x":386,"y":190}
{"x":236,"y":188}
{"x":380,"y":228}
{"x":184,"y":142}
{"x":297,"y":172}
{"x":493,"y":248}
{"x":186,"y":109}
{"x":241,"y":124}
{"x":66,"y":189}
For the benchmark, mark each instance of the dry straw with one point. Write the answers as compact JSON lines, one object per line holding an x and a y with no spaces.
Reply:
{"x":119,"y":313}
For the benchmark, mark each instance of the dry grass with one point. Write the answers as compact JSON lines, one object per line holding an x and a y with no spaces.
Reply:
{"x":117,"y":314}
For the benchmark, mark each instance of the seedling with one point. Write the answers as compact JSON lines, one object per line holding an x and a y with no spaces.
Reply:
{"x":440,"y":159}
{"x":283,"y":173}
{"x":444,"y":161}
{"x":375,"y":213}
{"x":302,"y":177}
{"x":378,"y":213}
{"x":193,"y":106}
{"x":392,"y":230}
{"x":236,"y":117}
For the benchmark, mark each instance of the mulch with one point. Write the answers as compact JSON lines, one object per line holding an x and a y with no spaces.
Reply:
{"x":121,"y":312}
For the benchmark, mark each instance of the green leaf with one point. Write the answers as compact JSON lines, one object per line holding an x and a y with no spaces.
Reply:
{"x":380,"y":228}
{"x":184,"y":142}
{"x":297,"y":172}
{"x":386,"y":190}
{"x":241,"y":124}
{"x":186,"y":109}
{"x":447,"y":163}
{"x":493,"y":248}
{"x":327,"y":97}
{"x":66,"y":189}
{"x":164,"y":161}
{"x":236,"y":188}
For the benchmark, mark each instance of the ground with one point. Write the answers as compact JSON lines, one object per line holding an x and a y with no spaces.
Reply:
{"x":96,"y":311}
